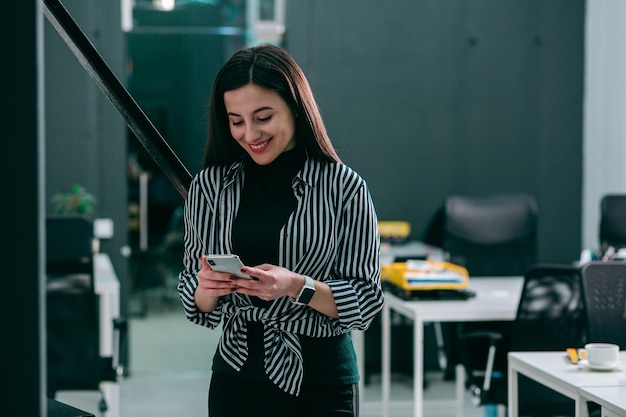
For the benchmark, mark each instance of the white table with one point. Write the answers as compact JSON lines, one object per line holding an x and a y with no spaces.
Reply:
{"x":107,"y":287}
{"x":553,"y":371}
{"x":611,"y":399}
{"x":496,"y":299}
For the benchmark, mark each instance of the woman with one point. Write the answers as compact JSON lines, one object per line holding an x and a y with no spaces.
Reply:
{"x":274,"y":192}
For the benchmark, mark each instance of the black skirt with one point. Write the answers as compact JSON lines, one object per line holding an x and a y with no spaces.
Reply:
{"x":233,"y":396}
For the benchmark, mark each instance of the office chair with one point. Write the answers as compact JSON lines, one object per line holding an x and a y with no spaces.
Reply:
{"x":612,"y":222}
{"x":490,"y":235}
{"x":550,"y":316}
{"x":73,"y":322}
{"x":604,"y":285}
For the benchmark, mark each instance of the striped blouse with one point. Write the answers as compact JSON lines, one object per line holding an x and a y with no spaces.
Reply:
{"x":332,"y":236}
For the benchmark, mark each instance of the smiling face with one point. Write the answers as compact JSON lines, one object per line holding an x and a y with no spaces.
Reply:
{"x":260,"y":121}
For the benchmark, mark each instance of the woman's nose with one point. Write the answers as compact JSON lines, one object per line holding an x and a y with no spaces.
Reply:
{"x":252,"y":134}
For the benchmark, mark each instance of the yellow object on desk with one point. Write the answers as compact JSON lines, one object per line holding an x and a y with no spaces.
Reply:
{"x":426,"y":275}
{"x":394,"y":231}
{"x":572,"y":355}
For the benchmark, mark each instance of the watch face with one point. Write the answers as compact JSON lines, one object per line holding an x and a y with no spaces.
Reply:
{"x":307,"y":294}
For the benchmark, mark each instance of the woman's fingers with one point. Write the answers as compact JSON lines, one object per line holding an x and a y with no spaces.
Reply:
{"x":204,"y":263}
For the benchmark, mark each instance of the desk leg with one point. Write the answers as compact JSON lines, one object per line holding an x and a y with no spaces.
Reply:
{"x":111,"y":392}
{"x":418,"y":366}
{"x":513,"y":393}
{"x":109,"y":310}
{"x":581,"y":407}
{"x":386,"y":360}
{"x":460,"y":386}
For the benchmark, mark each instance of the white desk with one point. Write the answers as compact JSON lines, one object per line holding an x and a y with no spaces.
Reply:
{"x":496,"y":299}
{"x":611,"y":399}
{"x":107,"y":287}
{"x":552,"y":370}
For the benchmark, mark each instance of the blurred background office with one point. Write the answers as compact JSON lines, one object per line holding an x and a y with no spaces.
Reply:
{"x":424,"y":98}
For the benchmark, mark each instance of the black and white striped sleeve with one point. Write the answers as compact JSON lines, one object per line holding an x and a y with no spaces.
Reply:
{"x":358,"y":295}
{"x":196,"y":220}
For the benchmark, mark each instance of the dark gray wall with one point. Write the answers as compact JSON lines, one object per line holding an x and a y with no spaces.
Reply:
{"x":21,"y":268}
{"x":85,"y":135}
{"x":428,"y":98}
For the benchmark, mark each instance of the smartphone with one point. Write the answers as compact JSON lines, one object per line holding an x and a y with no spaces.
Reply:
{"x":227,"y":263}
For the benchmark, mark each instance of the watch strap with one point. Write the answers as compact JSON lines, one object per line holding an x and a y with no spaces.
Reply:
{"x":307,"y":291}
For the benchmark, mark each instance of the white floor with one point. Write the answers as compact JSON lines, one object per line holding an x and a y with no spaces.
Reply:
{"x":170,"y":371}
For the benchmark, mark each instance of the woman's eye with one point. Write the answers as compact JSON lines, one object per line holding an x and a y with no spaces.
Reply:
{"x":265,"y":119}
{"x":236,"y":122}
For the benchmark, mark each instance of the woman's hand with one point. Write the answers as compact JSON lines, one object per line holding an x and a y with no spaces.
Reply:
{"x":212,"y":285}
{"x":269,"y":282}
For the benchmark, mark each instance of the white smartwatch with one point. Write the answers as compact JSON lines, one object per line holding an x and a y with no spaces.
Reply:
{"x":306,"y":293}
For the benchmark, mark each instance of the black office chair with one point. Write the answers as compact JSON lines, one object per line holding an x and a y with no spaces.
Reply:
{"x":490,"y":235}
{"x":604,"y":286}
{"x":612,"y":222}
{"x":73,"y":321}
{"x":493,"y":235}
{"x":550,"y":316}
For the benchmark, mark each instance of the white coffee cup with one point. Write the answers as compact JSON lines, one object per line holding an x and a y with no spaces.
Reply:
{"x":602,"y":355}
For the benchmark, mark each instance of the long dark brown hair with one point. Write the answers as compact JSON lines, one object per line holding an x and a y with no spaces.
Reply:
{"x":272,"y":68}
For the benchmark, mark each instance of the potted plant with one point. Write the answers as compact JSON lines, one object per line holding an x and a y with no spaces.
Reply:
{"x":75,"y":206}
{"x":76,"y":201}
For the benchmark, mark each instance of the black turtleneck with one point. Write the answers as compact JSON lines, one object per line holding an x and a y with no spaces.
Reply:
{"x":267,"y":200}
